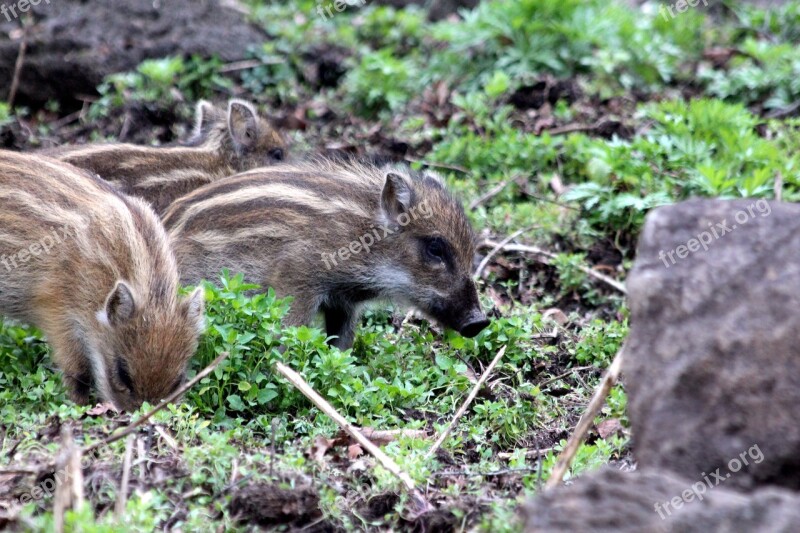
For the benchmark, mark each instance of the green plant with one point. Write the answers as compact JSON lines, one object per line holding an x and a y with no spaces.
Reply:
{"x":764,"y":73}
{"x":278,"y":77}
{"x":599,"y":342}
{"x":161,"y":80}
{"x":528,"y":38}
{"x":379,"y":82}
{"x":5,"y":114}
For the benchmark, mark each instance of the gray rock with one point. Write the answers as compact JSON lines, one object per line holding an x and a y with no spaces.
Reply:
{"x":614,"y":501}
{"x":713,"y":361}
{"x":74,"y":44}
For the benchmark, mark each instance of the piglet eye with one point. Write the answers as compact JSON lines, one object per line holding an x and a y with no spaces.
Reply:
{"x":435,"y":249}
{"x":276,"y":154}
{"x":123,"y":374}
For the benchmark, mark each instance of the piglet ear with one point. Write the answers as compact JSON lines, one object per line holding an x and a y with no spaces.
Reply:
{"x":396,"y":197}
{"x":120,"y":305}
{"x":203,"y":115}
{"x":242,"y":124}
{"x":196,"y":309}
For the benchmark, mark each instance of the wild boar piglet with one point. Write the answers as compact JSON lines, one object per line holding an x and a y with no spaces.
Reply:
{"x":93,"y":269}
{"x":223,"y":143}
{"x":335,"y":234}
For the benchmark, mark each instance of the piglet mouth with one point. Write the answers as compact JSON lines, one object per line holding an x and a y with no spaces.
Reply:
{"x":473,"y":324}
{"x":473,"y":327}
{"x":469,"y":326}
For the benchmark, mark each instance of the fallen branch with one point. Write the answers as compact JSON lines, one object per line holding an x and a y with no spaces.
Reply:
{"x":385,"y":461}
{"x":122,"y":496}
{"x":170,"y":399}
{"x":562,"y":376}
{"x":550,"y":255}
{"x":23,"y":46}
{"x":528,"y":453}
{"x":467,"y":402}
{"x":69,"y":492}
{"x":385,"y":436}
{"x":595,"y":404}
{"x":241,"y":65}
{"x":493,"y":251}
{"x":438,"y":165}
{"x":408,"y":317}
{"x":572,"y":128}
{"x":488,"y":195}
{"x":504,"y":472}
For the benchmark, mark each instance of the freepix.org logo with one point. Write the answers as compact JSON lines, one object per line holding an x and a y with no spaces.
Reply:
{"x":368,"y":240}
{"x":42,"y":246}
{"x":13,"y":11}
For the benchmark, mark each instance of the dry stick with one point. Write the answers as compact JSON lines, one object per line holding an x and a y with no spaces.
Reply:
{"x":408,"y":317}
{"x":438,"y":165}
{"x":23,"y":46}
{"x":562,"y":376}
{"x":493,"y":252}
{"x":172,"y":397}
{"x":386,"y":462}
{"x":595,"y":404}
{"x":63,"y":121}
{"x":141,"y":459}
{"x":274,"y":425}
{"x":385,"y":436}
{"x":465,"y":405}
{"x":488,"y":195}
{"x":243,"y":65}
{"x":69,"y":492}
{"x":572,"y":128}
{"x":21,"y":471}
{"x":122,"y":497}
{"x":167,"y":438}
{"x":779,"y":187}
{"x":538,"y":251}
{"x":538,"y":452}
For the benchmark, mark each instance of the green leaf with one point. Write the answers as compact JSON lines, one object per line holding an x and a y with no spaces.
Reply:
{"x":236,"y":402}
{"x":304,"y":334}
{"x":266,"y":395}
{"x":498,"y":85}
{"x":444,"y":362}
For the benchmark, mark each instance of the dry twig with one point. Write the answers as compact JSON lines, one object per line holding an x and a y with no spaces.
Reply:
{"x":493,"y":252}
{"x":122,"y":496}
{"x":172,"y":397}
{"x":549,"y":255}
{"x":23,"y":46}
{"x":408,"y":317}
{"x":241,"y":65}
{"x":438,"y":165}
{"x":562,"y":376}
{"x":385,"y":461}
{"x":385,"y":436}
{"x":467,"y":402}
{"x":595,"y":404}
{"x":539,"y":452}
{"x":488,"y":195}
{"x":69,"y":491}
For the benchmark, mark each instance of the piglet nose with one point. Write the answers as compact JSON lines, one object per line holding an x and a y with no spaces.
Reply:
{"x":474,"y":324}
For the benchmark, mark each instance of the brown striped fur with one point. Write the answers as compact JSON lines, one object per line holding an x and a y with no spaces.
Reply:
{"x":222,"y":144}
{"x":93,"y":269}
{"x":273,"y":224}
